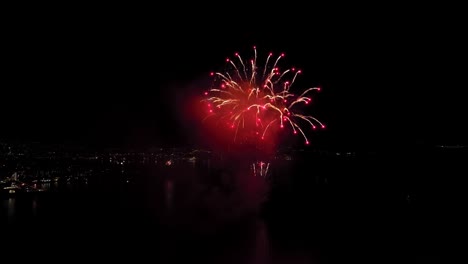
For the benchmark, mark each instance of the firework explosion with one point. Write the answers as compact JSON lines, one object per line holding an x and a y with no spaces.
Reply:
{"x":256,"y":100}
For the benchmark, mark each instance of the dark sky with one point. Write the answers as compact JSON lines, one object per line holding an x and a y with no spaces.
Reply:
{"x":118,"y":78}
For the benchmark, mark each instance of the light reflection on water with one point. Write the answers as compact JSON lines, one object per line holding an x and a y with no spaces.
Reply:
{"x":197,"y":199}
{"x":34,"y":207}
{"x":10,"y":206}
{"x":45,"y":186}
{"x":169,"y":194}
{"x":201,"y":184}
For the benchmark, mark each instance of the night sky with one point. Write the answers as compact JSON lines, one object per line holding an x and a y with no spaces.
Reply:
{"x":122,"y":79}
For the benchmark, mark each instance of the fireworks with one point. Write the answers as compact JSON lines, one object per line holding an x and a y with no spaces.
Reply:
{"x":260,"y":168}
{"x":257,"y":99}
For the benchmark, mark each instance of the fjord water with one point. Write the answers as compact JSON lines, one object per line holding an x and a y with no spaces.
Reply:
{"x":309,"y":208}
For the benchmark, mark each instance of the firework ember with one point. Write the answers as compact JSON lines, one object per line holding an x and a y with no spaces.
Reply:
{"x":256,"y":99}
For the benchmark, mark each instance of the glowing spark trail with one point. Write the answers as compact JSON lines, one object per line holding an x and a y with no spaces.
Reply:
{"x":254,"y":101}
{"x":260,"y":168}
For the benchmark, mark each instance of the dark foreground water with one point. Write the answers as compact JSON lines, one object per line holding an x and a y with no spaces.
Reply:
{"x":380,"y":208}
